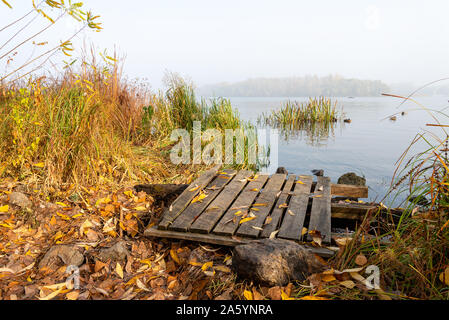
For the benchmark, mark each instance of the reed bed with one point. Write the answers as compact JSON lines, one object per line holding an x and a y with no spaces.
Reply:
{"x":295,"y":114}
{"x":91,"y":126}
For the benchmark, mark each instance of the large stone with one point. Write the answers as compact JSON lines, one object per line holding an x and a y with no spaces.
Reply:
{"x":70,"y":255}
{"x":117,"y":252}
{"x":274,"y":262}
{"x":352,"y":178}
{"x":21,"y":200}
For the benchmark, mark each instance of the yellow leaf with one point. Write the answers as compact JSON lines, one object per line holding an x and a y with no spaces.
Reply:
{"x":312,"y":298}
{"x":328,"y":278}
{"x":238,"y":213}
{"x":174,"y":256}
{"x":444,"y":276}
{"x":39,"y":165}
{"x":194,"y":189}
{"x":4,"y":1}
{"x":63,"y":216}
{"x":129,"y":193}
{"x":255,"y":189}
{"x":199,"y":197}
{"x":248,"y":295}
{"x":222,"y":269}
{"x":4,"y":209}
{"x":284,"y":296}
{"x":119,"y":270}
{"x":207,"y":265}
{"x":246,"y":220}
{"x":304,"y":231}
{"x":72,"y":295}
{"x":140,"y":208}
{"x":196,"y":264}
{"x":51,"y":295}
{"x":260,"y":204}
{"x":299,"y":182}
{"x":61,"y":204}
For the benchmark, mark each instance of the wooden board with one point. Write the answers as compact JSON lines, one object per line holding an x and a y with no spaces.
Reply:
{"x":193,"y":211}
{"x":209,"y":218}
{"x":266,"y":200}
{"x":219,"y":240}
{"x":230,"y":222}
{"x":185,"y":197}
{"x":279,"y":209}
{"x":350,"y":191}
{"x":320,"y":215}
{"x":294,"y":217}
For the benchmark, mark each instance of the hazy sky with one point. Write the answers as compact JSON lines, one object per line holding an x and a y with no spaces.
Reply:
{"x":213,"y":41}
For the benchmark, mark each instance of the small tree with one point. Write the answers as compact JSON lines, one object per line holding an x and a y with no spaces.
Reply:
{"x":10,"y":47}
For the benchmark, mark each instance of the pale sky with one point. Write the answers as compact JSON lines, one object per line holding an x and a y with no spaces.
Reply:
{"x":212,"y":41}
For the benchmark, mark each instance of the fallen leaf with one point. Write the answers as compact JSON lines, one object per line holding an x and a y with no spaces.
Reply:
{"x":246,"y":220}
{"x":248,"y":295}
{"x":313,"y":298}
{"x":4,"y":209}
{"x":273,"y":234}
{"x":361,"y":260}
{"x":174,"y":256}
{"x":72,"y":295}
{"x":444,"y":276}
{"x":119,"y":270}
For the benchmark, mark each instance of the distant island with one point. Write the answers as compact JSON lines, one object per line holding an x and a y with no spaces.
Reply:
{"x":332,"y":85}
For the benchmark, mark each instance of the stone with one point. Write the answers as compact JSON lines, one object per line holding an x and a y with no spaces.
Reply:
{"x":70,"y":255}
{"x":274,"y":262}
{"x":21,"y":200}
{"x":117,"y":252}
{"x":318,"y":172}
{"x":352,"y":178}
{"x":282,"y":170}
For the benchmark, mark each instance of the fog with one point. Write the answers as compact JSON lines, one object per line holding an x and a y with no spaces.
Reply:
{"x":216,"y":41}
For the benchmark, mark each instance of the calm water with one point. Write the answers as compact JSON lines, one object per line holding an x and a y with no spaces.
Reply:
{"x":369,"y":146}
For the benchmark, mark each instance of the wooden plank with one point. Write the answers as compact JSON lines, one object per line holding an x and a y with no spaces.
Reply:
{"x":350,"y":210}
{"x":350,"y":191}
{"x":267,"y":196}
{"x":207,"y":221}
{"x":278,"y":210}
{"x":186,"y":196}
{"x":226,"y":226}
{"x":294,"y":216}
{"x":219,"y":240}
{"x":193,"y":211}
{"x":320,"y":216}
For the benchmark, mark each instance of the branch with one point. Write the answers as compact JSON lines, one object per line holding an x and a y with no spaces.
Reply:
{"x":42,"y":55}
{"x":20,"y":19}
{"x":33,"y":36}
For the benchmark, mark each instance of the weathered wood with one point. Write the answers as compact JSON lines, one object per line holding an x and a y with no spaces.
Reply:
{"x":350,"y":191}
{"x":186,"y":196}
{"x":230,"y":222}
{"x":355,"y":211}
{"x":294,"y":216}
{"x":268,"y":197}
{"x":194,"y":210}
{"x":278,"y":210}
{"x":207,"y":221}
{"x":219,"y":240}
{"x":320,"y":216}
